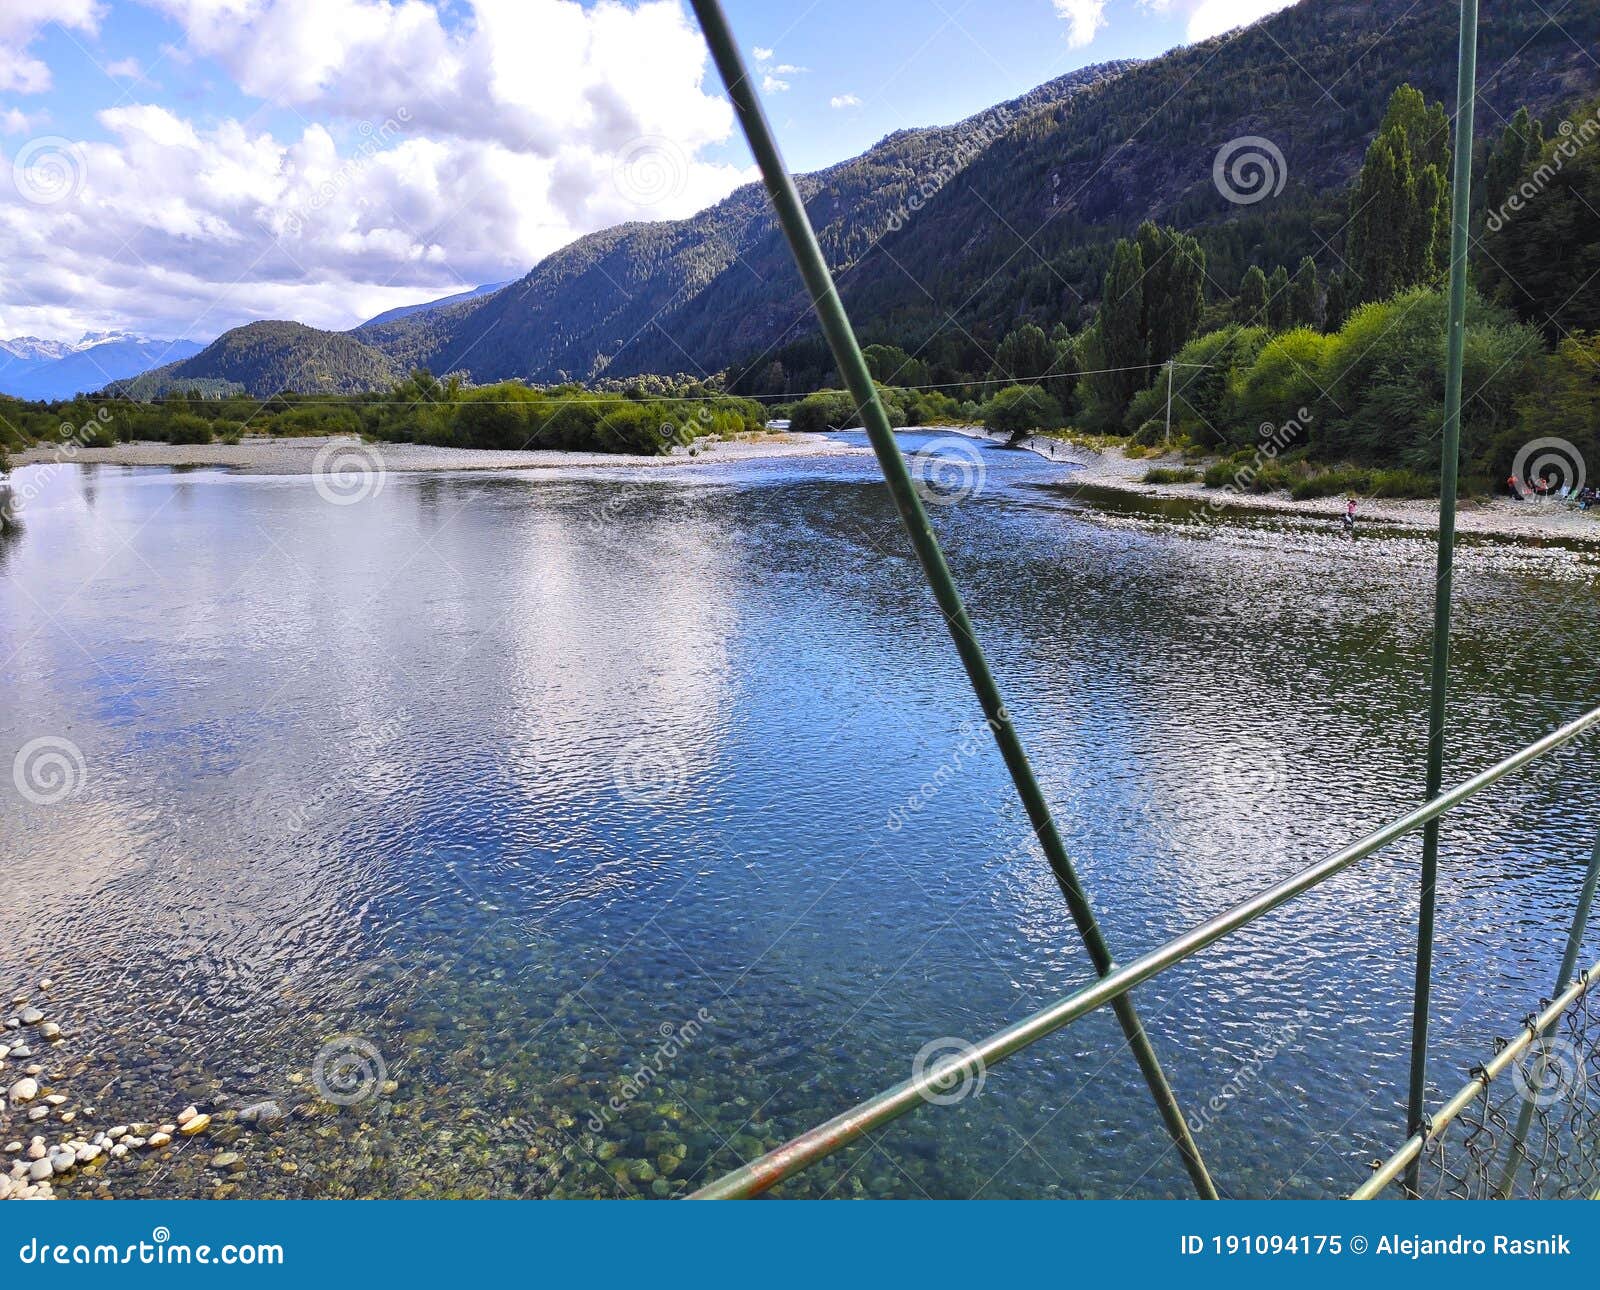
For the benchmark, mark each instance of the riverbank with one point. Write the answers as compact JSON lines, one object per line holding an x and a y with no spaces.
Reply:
{"x":261,"y":455}
{"x":1113,"y":472}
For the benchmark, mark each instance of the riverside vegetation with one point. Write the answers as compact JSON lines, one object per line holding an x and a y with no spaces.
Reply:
{"x":1350,"y":363}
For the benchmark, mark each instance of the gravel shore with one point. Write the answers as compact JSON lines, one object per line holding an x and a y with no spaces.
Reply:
{"x":1494,"y":517}
{"x":266,"y":456}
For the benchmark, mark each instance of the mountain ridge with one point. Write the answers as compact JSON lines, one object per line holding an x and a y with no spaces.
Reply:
{"x":944,"y":238}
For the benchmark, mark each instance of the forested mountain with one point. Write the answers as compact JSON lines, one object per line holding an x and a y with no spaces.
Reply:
{"x":627,"y":292}
{"x":264,"y":358}
{"x":946,"y":239}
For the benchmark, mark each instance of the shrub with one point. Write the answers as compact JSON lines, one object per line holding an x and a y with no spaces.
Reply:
{"x":1171,"y":475}
{"x":1018,"y":409}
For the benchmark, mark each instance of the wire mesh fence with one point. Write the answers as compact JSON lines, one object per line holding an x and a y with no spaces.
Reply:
{"x":1528,"y":1128}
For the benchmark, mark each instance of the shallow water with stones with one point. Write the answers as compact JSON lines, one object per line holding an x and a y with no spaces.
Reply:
{"x":622,"y":823}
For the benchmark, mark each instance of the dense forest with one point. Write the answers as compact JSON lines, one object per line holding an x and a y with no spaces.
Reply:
{"x":1351,"y":363}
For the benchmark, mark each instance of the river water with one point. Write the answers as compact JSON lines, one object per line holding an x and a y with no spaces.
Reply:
{"x":588,"y":832}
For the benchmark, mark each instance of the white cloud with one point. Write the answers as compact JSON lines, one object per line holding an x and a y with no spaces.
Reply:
{"x":1209,"y":18}
{"x":763,"y":55}
{"x":844,"y":101}
{"x":435,"y":158}
{"x":125,"y":68}
{"x":1084,"y":18}
{"x":788,"y":69}
{"x":16,"y":121}
{"x":21,"y":21}
{"x":772,"y":85}
{"x":1213,"y":17}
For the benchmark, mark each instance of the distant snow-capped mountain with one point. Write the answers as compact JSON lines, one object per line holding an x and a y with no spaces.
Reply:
{"x":31,"y":368}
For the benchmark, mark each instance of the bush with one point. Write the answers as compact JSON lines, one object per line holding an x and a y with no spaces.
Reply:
{"x":186,"y":428}
{"x":1171,"y":475}
{"x":1018,"y":409}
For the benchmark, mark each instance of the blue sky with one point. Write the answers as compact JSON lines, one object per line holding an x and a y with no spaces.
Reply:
{"x":181,"y":166}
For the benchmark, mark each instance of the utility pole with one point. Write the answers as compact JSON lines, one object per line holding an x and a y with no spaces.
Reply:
{"x":1171,"y":364}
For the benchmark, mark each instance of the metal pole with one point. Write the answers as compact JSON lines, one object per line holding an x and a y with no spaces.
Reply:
{"x":1461,"y":195}
{"x":1171,"y":365}
{"x":815,"y":1144}
{"x":847,"y":353}
{"x":1569,"y":965}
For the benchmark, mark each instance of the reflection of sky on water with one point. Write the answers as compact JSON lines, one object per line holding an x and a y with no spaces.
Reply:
{"x":608,"y":747}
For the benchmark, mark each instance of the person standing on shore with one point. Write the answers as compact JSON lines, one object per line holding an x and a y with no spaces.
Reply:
{"x":1350,"y":515}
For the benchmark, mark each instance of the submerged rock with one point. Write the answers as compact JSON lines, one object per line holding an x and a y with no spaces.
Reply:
{"x":264,"y":1115}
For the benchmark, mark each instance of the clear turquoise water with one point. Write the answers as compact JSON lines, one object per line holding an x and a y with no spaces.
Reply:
{"x":522,"y":778}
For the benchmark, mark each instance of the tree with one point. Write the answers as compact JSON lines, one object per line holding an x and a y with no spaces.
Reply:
{"x":1400,"y":210}
{"x":1337,"y":306}
{"x":1017,"y":409}
{"x":1025,"y":354}
{"x":1279,"y":302}
{"x":1520,"y":142}
{"x":1542,"y":247}
{"x":1305,"y":307}
{"x":893,"y":366}
{"x":1253,"y":296}
{"x":1123,"y":342}
{"x":1174,"y":289}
